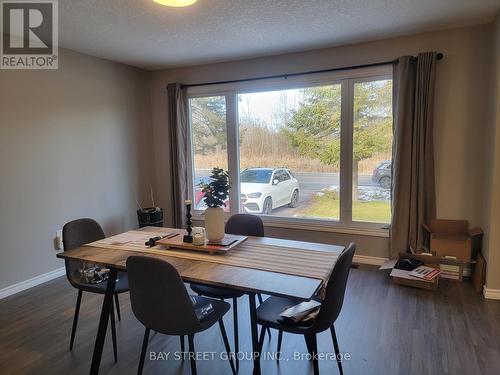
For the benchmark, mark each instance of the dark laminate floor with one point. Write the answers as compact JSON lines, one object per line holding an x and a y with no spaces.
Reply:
{"x":386,"y":329}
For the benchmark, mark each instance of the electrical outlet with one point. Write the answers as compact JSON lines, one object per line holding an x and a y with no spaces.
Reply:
{"x":59,"y":240}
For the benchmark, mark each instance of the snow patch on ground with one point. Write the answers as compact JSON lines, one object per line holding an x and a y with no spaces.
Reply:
{"x":365,"y":193}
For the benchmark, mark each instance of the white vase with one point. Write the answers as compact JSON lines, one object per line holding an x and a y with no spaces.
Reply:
{"x":214,"y":223}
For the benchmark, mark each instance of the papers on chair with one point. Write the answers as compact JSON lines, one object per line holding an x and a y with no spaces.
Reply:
{"x":201,"y":310}
{"x":300,"y":311}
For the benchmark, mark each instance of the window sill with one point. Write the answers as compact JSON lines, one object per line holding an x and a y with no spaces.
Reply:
{"x":369,"y":229}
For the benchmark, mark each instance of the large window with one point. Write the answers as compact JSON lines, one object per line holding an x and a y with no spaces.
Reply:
{"x":372,"y":147}
{"x":208,"y":139}
{"x":316,"y":151}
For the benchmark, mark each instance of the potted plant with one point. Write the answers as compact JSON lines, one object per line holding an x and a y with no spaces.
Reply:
{"x":215,"y":193}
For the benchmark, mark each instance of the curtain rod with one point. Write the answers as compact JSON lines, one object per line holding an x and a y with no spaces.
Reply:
{"x":439,"y":56}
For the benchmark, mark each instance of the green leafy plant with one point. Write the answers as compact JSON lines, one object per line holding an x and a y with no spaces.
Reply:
{"x":217,"y":191}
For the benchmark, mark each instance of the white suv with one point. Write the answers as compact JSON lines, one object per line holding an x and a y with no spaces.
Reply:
{"x":263,"y":189}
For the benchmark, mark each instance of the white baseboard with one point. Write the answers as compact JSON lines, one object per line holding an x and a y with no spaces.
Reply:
{"x":491,"y":293}
{"x":30,"y":283}
{"x":365,"y":259}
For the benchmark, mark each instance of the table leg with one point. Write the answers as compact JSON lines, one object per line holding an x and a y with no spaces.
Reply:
{"x":103,"y":322}
{"x":255,"y":338}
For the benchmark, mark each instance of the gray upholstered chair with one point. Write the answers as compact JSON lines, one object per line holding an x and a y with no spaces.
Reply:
{"x":243,"y":225}
{"x":160,"y":301}
{"x":75,"y":234}
{"x":268,"y":313}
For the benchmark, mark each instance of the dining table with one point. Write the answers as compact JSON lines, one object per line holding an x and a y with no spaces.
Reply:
{"x":260,"y":265}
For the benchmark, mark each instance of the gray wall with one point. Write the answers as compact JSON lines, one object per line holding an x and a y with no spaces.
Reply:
{"x":73,"y":143}
{"x":492,"y":212}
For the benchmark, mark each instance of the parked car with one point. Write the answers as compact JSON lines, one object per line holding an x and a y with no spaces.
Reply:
{"x":382,"y":174}
{"x":264,"y":189}
{"x":198,"y":194}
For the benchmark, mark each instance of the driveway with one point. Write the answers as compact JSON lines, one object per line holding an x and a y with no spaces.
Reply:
{"x":309,"y":184}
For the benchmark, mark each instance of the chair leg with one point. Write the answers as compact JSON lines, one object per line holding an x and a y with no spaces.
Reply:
{"x":337,"y":351}
{"x":182,"y":347}
{"x":192,"y":354}
{"x":259,"y":297}
{"x":75,"y":318}
{"x":118,"y":308}
{"x":308,"y":344}
{"x":143,"y":351}
{"x":280,"y":338}
{"x":113,"y":331}
{"x":261,"y":338}
{"x":312,"y":346}
{"x":235,"y":322}
{"x":226,"y":344}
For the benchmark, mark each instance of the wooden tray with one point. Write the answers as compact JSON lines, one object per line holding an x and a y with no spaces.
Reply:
{"x":178,"y":243}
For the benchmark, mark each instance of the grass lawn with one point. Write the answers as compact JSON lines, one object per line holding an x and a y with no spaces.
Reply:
{"x":324,"y":206}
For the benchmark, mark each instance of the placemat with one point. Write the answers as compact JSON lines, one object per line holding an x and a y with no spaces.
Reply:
{"x":283,"y":259}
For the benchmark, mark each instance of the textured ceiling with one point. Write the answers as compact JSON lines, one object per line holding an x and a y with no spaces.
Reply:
{"x":145,"y":34}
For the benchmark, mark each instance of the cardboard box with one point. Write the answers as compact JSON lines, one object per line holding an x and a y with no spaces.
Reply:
{"x":464,"y":266}
{"x":452,"y":237}
{"x":403,"y":278}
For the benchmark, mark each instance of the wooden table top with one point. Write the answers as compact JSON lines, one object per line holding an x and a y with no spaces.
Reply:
{"x":239,"y":278}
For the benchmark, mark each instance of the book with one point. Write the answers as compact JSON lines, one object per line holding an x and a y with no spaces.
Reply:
{"x":449,"y":268}
{"x":449,"y":276}
{"x":298,"y":312}
{"x":228,"y":240}
{"x":424,"y":272}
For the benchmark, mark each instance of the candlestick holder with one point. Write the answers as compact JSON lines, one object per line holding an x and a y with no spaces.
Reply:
{"x":188,"y":238}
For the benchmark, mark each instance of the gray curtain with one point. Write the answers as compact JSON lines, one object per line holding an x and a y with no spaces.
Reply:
{"x":413,"y":192}
{"x":178,"y":131}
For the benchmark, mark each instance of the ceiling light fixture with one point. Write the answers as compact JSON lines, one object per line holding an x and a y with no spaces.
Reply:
{"x":176,"y":3}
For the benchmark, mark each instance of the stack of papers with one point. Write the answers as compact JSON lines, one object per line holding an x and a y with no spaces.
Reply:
{"x":299,"y":312}
{"x":426,"y":273}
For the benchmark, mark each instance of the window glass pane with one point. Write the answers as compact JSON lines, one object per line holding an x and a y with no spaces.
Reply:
{"x":209,"y":141}
{"x":290,"y":152}
{"x":372,"y":147}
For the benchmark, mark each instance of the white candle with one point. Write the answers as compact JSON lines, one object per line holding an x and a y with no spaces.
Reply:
{"x":188,"y":202}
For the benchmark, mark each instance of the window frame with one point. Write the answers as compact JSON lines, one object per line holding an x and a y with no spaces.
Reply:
{"x":347,"y":79}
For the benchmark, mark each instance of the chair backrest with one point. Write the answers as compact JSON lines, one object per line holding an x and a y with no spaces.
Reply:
{"x":245,"y":225}
{"x":75,"y":234}
{"x":159,"y":298}
{"x":335,"y":290}
{"x":81,"y":231}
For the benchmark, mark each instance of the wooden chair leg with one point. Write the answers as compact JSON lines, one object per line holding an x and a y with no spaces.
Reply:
{"x":337,"y":351}
{"x":143,"y":351}
{"x":192,"y":354}
{"x":75,"y":318}
{"x":235,"y":322}
{"x":113,"y":331}
{"x":117,"y":303}
{"x":182,"y":347}
{"x":226,"y":344}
